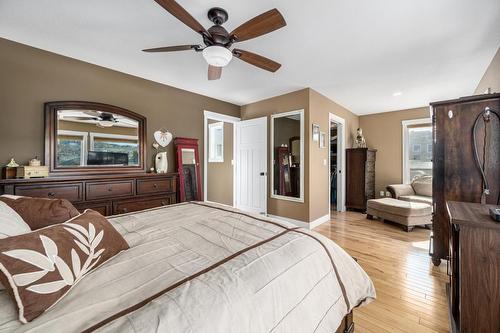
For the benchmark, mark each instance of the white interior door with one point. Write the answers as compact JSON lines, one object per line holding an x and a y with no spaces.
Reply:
{"x":251,"y":165}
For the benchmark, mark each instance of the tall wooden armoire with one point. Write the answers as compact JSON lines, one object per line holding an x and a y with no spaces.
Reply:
{"x":360,"y":177}
{"x":456,"y":176}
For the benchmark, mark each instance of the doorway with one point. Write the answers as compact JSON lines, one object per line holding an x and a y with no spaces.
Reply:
{"x":219,"y":151}
{"x":337,"y":163}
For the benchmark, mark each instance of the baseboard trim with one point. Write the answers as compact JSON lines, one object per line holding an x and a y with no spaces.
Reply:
{"x":302,"y":224}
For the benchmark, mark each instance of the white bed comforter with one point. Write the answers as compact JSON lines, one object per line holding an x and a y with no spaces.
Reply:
{"x":207,"y":268}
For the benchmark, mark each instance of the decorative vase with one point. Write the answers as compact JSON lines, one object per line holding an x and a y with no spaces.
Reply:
{"x":161,"y":162}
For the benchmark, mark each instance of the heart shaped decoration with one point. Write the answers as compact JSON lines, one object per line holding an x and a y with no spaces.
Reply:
{"x":163,"y":138}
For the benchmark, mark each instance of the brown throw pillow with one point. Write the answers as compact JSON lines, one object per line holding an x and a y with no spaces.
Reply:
{"x":41,"y":212}
{"x":40,"y":267}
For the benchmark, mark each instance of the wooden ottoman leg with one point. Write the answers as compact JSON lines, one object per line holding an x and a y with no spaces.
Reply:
{"x":369,"y":216}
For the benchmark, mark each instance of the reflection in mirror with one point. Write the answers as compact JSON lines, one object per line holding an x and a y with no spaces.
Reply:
{"x":189,"y":170}
{"x":287,"y":153}
{"x":95,"y":138}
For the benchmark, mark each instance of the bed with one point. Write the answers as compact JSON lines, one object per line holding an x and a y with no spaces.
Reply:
{"x":197,"y":267}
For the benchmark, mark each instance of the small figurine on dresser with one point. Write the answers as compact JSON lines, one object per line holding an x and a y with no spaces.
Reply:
{"x":162,"y":138}
{"x":360,"y":139}
{"x":9,"y":171}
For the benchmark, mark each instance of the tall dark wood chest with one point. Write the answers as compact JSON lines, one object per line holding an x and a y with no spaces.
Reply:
{"x":456,"y":176}
{"x":474,"y":287}
{"x":360,"y":177}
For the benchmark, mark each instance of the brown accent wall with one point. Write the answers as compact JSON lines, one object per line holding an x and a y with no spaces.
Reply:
{"x":30,"y":77}
{"x":297,"y":100}
{"x":491,"y":78}
{"x":220,"y":174}
{"x":384,"y":132}
{"x":319,"y":174}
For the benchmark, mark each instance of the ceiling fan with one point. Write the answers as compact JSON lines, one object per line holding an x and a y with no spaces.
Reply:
{"x":102,"y":119}
{"x":218,"y":41}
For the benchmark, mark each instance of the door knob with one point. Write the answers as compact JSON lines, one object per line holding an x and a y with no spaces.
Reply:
{"x":263,"y":173}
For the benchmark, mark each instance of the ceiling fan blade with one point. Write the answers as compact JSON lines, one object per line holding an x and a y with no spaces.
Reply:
{"x":80,"y":118}
{"x":214,"y":73}
{"x":180,"y":13}
{"x":257,"y":60}
{"x":172,"y":48}
{"x":259,"y":25}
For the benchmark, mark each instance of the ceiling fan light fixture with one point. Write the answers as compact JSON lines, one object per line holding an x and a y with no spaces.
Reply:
{"x":105,"y":123}
{"x":217,"y":56}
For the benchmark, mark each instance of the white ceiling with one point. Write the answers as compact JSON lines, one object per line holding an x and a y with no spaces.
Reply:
{"x":358,"y":53}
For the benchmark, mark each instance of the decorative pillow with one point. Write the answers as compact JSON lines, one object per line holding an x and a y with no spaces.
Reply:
{"x":423,"y":186}
{"x":41,"y":212}
{"x":11,"y":224}
{"x":40,"y":267}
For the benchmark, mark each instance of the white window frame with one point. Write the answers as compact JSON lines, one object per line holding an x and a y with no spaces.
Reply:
{"x":83,"y":146}
{"x":302,"y":139}
{"x":211,"y":144}
{"x":406,"y":124}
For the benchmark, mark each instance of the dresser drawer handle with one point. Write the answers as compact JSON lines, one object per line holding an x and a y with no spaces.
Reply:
{"x":155,"y":185}
{"x":163,"y":203}
{"x":110,"y":189}
{"x":51,"y":194}
{"x":125,"y":210}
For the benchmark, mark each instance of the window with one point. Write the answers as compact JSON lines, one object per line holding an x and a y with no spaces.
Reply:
{"x":216,"y":142}
{"x":417,"y":161}
{"x":116,"y":143}
{"x":71,"y":148}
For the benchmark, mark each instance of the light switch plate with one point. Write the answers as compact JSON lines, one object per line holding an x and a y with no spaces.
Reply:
{"x":381,"y":193}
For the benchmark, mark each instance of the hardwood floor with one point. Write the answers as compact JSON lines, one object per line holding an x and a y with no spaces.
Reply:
{"x":410,"y":289}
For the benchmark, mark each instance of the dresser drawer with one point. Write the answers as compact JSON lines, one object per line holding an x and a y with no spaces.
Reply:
{"x":102,"y":190}
{"x":71,"y":192}
{"x":159,"y":185}
{"x":104,"y":208}
{"x":134,"y":205}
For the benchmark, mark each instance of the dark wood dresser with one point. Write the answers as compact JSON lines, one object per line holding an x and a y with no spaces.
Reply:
{"x":108,"y":194}
{"x":360,"y":177}
{"x":456,"y":176}
{"x":474,"y":288}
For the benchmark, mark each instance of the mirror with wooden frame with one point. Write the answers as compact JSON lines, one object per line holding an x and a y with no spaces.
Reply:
{"x":93,"y":138}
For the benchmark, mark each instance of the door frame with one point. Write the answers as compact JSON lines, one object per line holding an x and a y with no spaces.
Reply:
{"x":341,"y":159}
{"x":227,"y":119}
{"x":264,"y":121}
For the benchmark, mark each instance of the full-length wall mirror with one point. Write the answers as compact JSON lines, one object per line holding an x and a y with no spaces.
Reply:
{"x":93,"y":137}
{"x":287,"y":154}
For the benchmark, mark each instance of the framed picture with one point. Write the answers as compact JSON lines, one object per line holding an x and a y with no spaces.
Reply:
{"x":322,"y":140}
{"x":315,"y":132}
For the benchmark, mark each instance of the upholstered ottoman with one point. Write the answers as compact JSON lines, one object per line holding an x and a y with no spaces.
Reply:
{"x":408,"y":214}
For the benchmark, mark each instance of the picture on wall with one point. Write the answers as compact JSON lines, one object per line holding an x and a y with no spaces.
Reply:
{"x":315,"y":132}
{"x":322,"y":140}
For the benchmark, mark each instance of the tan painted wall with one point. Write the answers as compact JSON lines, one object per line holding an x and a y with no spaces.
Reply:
{"x":30,"y":77}
{"x":319,"y":175}
{"x":298,"y":100}
{"x":220,"y":175}
{"x":316,"y":175}
{"x":384,"y":132}
{"x":491,"y":78}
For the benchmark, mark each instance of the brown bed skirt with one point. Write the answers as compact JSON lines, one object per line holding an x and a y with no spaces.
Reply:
{"x":347,"y":325}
